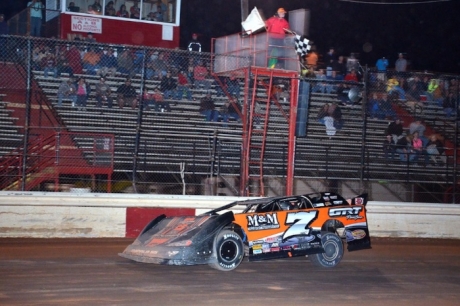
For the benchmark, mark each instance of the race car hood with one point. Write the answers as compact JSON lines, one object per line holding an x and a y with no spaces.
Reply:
{"x":177,"y":240}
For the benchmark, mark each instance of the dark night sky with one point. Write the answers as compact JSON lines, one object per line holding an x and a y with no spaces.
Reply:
{"x":428,"y":33}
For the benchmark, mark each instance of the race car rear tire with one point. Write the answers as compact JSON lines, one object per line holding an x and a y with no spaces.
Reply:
{"x":228,"y":250}
{"x":333,"y":251}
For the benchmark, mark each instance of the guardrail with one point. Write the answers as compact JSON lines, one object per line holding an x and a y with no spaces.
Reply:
{"x":93,"y":215}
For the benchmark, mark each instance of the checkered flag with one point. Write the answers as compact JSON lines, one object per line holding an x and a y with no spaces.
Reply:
{"x":301,"y":45}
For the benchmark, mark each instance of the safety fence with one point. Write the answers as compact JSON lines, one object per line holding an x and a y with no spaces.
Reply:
{"x":174,"y":133}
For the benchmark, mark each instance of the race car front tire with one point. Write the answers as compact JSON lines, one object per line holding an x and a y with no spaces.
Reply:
{"x":333,"y":251}
{"x":228,"y":250}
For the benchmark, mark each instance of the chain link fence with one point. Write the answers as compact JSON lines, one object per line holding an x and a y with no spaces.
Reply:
{"x":173,"y":132}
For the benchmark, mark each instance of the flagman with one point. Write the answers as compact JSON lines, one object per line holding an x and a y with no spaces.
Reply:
{"x":276,"y":27}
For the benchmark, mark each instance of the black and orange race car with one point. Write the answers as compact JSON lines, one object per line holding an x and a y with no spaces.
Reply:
{"x":267,"y":228}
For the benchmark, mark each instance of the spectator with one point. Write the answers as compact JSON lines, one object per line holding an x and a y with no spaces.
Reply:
{"x":63,"y":66}
{"x":375,"y":104}
{"x":91,"y":10}
{"x":395,"y":129}
{"x":207,"y":108}
{"x":49,"y":64}
{"x":386,"y":107}
{"x":435,"y":150}
{"x":199,"y":74}
{"x":381,"y":66}
{"x":83,"y":92}
{"x":97,"y":7}
{"x":321,"y":86}
{"x":168,"y":86}
{"x":183,"y":86}
{"x":91,"y":61}
{"x":126,"y":95}
{"x":336,"y":113}
{"x":36,"y":7}
{"x":323,"y":112}
{"x":351,"y":76}
{"x":67,"y":89}
{"x":191,"y":74}
{"x":108,"y":64}
{"x":150,"y":16}
{"x":233,"y":86}
{"x":417,"y":147}
{"x":448,"y":104}
{"x":159,"y":14}
{"x":194,"y":44}
{"x":340,"y":67}
{"x":147,"y":99}
{"x":394,"y":88}
{"x":403,"y":148}
{"x":389,"y":148}
{"x":122,"y":12}
{"x":158,"y":65}
{"x":401,"y":63}
{"x":125,"y":62}
{"x":230,"y":109}
{"x":330,"y":59}
{"x":73,"y":8}
{"x":74,"y":59}
{"x":434,"y":92}
{"x":417,"y":126}
{"x":312,"y":59}
{"x":135,"y":12}
{"x":160,"y":104}
{"x":110,"y":9}
{"x":90,"y":37}
{"x":103,"y":94}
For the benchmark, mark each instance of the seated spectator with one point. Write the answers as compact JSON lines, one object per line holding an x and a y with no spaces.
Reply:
{"x":375,"y":105}
{"x":91,"y":10}
{"x":320,"y":86}
{"x":150,"y":16}
{"x":108,"y":64}
{"x":73,"y":8}
{"x":125,"y":62}
{"x":83,"y":90}
{"x":323,"y":112}
{"x":160,"y":104}
{"x":183,"y":86}
{"x":91,"y":61}
{"x":336,"y":113}
{"x":200,"y":74}
{"x":90,"y":38}
{"x":97,"y":6}
{"x":207,"y":108}
{"x":393,"y":87}
{"x":434,"y":92}
{"x":63,"y":66}
{"x":417,"y":126}
{"x":386,"y":107}
{"x":230,"y":109}
{"x":417,"y":148}
{"x":351,"y":76}
{"x":395,"y":129}
{"x":126,"y":95}
{"x":135,"y":12}
{"x":122,"y":12}
{"x":168,"y":86}
{"x":148,"y":100}
{"x":448,"y":104}
{"x":158,"y":65}
{"x":110,"y":9}
{"x":389,"y":148}
{"x":435,"y":151}
{"x":103,"y":94}
{"x":49,"y":65}
{"x":403,"y":148}
{"x":233,"y":86}
{"x":67,"y":89}
{"x":159,"y":14}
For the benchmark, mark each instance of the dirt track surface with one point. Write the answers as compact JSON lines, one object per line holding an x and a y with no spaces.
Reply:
{"x":89,"y":272}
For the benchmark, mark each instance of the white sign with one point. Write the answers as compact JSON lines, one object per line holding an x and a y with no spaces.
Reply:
{"x":86,"y":24}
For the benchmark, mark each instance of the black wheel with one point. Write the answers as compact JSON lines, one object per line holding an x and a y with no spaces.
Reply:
{"x":333,"y":251}
{"x":228,"y":250}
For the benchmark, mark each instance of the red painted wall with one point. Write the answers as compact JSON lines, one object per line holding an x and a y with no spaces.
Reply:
{"x":117,"y":31}
{"x":138,"y":217}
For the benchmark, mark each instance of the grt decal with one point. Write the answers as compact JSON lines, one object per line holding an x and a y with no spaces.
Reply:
{"x":347,"y":211}
{"x":300,"y":223}
{"x":261,"y":222}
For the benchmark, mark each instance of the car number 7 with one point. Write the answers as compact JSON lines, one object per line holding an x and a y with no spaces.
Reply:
{"x":300,"y":223}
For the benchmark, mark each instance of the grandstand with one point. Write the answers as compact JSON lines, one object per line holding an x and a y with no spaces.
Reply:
{"x":177,"y":147}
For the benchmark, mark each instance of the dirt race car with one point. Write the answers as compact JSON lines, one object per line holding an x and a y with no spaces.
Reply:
{"x":314,"y":224}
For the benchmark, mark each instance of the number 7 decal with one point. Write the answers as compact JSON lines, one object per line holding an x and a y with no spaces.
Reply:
{"x":300,"y":223}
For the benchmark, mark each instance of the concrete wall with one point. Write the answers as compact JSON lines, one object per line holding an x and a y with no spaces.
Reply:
{"x":89,"y":215}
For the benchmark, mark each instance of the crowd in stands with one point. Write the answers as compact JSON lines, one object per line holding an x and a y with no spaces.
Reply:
{"x":152,"y":10}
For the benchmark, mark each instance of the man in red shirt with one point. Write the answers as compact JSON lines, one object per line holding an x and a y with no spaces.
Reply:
{"x":276,"y":26}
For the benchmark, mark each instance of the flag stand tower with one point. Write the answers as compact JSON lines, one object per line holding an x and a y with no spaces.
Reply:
{"x":248,"y":57}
